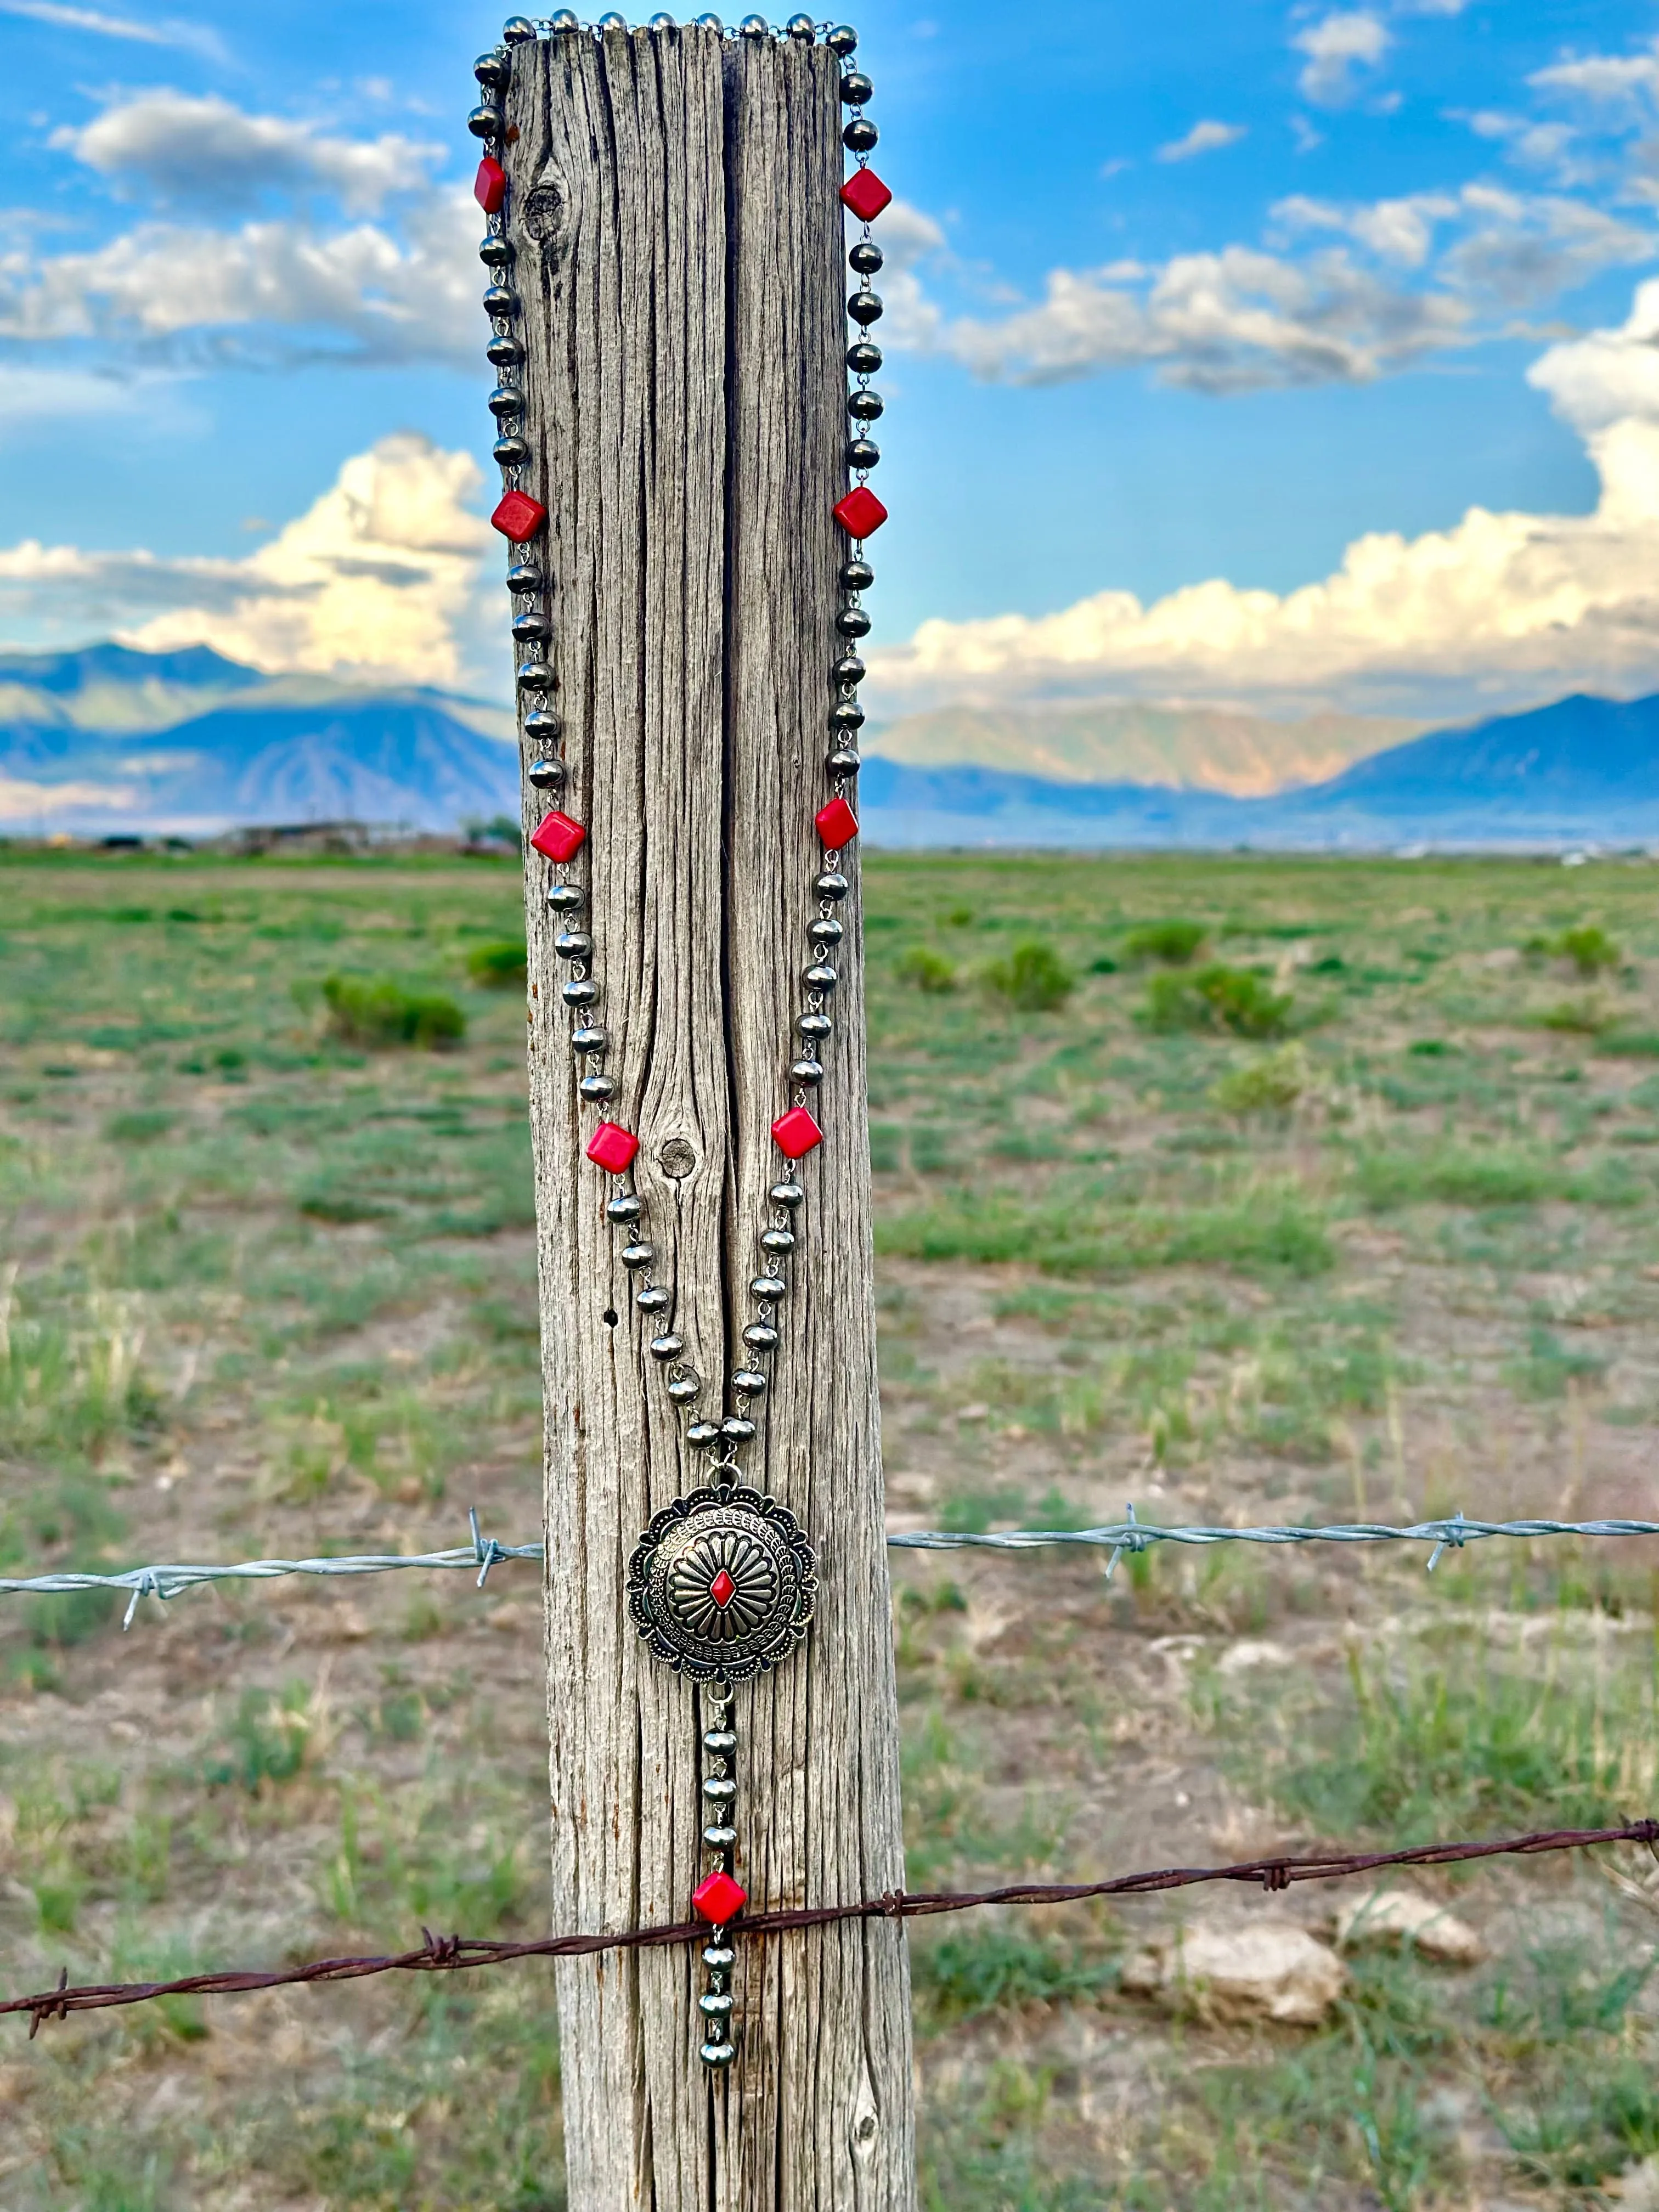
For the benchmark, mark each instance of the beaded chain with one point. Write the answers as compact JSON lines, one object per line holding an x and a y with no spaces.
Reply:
{"x":722,"y":1583}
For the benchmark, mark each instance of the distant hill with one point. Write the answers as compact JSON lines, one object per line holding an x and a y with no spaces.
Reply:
{"x":1125,"y":742}
{"x":107,"y":739}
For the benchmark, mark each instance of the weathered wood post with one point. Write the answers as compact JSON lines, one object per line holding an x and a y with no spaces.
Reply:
{"x":672,"y":203}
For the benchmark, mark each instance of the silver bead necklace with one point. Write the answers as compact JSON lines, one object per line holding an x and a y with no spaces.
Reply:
{"x":721,"y":1584}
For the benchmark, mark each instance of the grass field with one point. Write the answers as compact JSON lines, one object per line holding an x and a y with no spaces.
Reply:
{"x":1341,"y":1201}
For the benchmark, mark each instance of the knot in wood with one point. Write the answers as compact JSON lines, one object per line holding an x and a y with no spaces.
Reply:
{"x":676,"y":1158}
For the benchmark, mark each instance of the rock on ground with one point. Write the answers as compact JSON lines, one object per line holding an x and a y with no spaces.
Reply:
{"x":1271,"y":1971}
{"x":1399,"y":1917}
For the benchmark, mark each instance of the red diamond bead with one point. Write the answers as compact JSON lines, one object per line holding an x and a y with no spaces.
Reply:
{"x":718,"y":1898}
{"x":795,"y":1133}
{"x":489,"y":186}
{"x":861,"y":515}
{"x":517,"y":516}
{"x":865,"y":194}
{"x":612,"y":1147}
{"x":722,"y":1590}
{"x":836,"y":823}
{"x":558,"y":836}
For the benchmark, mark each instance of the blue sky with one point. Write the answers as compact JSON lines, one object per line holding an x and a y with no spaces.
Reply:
{"x":1186,"y":295}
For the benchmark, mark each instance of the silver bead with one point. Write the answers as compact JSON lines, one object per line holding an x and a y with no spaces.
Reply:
{"x":811,"y":1073}
{"x":596,"y":1089}
{"x":564,"y":18}
{"x":536,"y":675}
{"x":842,"y":40}
{"x":662,"y":23}
{"x":682,"y":1388}
{"x":525,"y":576}
{"x":493,"y":69}
{"x":760,"y":1336}
{"x":503,"y":351}
{"x":530,"y":622}
{"x":786,"y":1194}
{"x":610,"y":20}
{"x":717,"y":2054}
{"x":815,"y":1026}
{"x":510,"y":451}
{"x":699,"y":1435}
{"x":501,"y":299}
{"x":736,"y":1429}
{"x":566,"y":898}
{"x":574,"y":944}
{"x":718,"y":1838}
{"x":710,"y":23}
{"x":860,"y":135}
{"x":627,"y":1208}
{"x":768,"y":1286}
{"x":719,"y":1789}
{"x":495,"y":250}
{"x":517,"y":31}
{"x":546,"y":775}
{"x":541,"y":727}
{"x":506,"y":399}
{"x":485,"y":122}
{"x":849,"y":669}
{"x":594,"y":1040}
{"x":653,"y":1299}
{"x":778,"y":1240}
{"x":748,"y":1382}
{"x":581,"y":991}
{"x":637,"y":1256}
{"x":865,"y":306}
{"x":844,"y":761}
{"x":865,"y":405}
{"x":824,"y":929}
{"x":721,"y":1741}
{"x":755,"y":27}
{"x":857,"y":574}
{"x":862,"y":454}
{"x":669,"y":1347}
{"x":718,"y":1958}
{"x":714,"y":2004}
{"x":863,"y":356}
{"x":856,"y":88}
{"x":845,"y":714}
{"x":831,"y":884}
{"x":853,"y":622}
{"x":801,"y":26}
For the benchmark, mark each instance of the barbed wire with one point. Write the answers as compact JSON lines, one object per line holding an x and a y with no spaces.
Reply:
{"x":163,"y":1582}
{"x":443,"y":1953}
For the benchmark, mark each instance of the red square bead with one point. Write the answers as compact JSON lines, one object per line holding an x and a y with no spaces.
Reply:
{"x":718,"y":1899}
{"x":836,"y":823}
{"x":865,"y":194}
{"x":517,"y":516}
{"x":722,"y":1590}
{"x":861,"y":515}
{"x":489,"y":186}
{"x":612,"y":1147}
{"x":558,"y":836}
{"x":795,"y":1133}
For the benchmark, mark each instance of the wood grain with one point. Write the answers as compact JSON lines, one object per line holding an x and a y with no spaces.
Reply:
{"x":673,"y":200}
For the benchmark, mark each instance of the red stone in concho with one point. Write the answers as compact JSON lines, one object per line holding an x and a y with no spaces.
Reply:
{"x":722,"y":1590}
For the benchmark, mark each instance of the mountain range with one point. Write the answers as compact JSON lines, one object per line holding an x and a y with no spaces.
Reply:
{"x":187,"y":743}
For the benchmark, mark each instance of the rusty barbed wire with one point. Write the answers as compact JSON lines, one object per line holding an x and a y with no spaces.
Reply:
{"x":447,"y":1953}
{"x":163,"y":1582}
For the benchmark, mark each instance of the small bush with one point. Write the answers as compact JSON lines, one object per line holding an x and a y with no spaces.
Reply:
{"x":142,"y":1126}
{"x":927,"y":970}
{"x":1589,"y":948}
{"x":377,"y":1011}
{"x":1269,"y":1084}
{"x":1033,"y":977}
{"x":1236,"y":1000}
{"x":1175,"y":942}
{"x":500,"y":965}
{"x":1577,"y":1017}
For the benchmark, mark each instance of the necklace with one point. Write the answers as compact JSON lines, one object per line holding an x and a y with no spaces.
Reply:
{"x":722,"y":1581}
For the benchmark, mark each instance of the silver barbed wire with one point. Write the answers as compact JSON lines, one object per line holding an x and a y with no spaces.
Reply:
{"x":1115,"y":1537}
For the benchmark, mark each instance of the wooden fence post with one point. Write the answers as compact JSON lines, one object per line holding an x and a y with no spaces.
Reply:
{"x":672,"y":203}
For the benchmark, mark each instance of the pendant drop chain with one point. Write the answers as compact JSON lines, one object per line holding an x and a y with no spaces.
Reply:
{"x":722,"y":1583}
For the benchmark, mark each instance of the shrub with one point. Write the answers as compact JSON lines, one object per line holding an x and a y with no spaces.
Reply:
{"x":927,"y":970}
{"x":1033,"y":977}
{"x":499,"y":965}
{"x":376,"y":1010}
{"x":1175,"y":942}
{"x":1217,"y":998}
{"x":1269,"y":1084}
{"x":1589,"y":948}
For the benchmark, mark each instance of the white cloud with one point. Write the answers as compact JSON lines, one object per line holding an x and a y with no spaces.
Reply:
{"x":1499,"y":608}
{"x":1513,"y":249}
{"x":1203,"y":138}
{"x":1337,"y":47}
{"x":379,"y":577}
{"x":192,"y":38}
{"x":207,"y":152}
{"x":1624,"y":83}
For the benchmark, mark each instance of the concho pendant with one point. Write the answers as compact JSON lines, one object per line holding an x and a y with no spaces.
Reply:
{"x":721,"y":1584}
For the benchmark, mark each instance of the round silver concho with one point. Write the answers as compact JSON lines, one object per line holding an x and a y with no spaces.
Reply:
{"x":721,"y":1584}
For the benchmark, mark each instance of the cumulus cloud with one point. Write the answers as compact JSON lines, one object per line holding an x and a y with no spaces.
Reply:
{"x":1498,"y":609}
{"x":1337,"y":47}
{"x":1512,"y":247}
{"x":1202,"y":139}
{"x":210,"y":153}
{"x":379,"y":577}
{"x":1625,"y":84}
